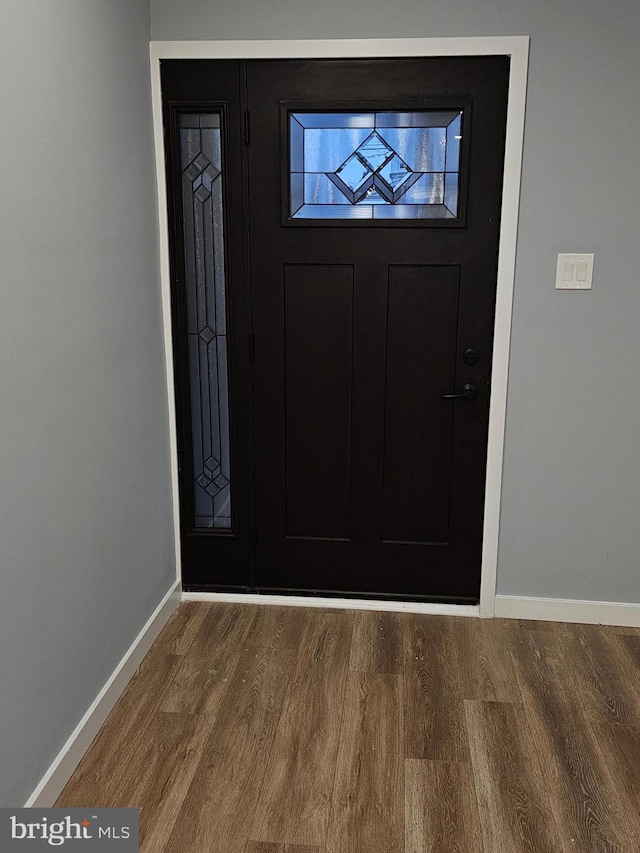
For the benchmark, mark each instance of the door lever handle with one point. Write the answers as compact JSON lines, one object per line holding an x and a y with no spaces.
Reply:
{"x":468,"y":393}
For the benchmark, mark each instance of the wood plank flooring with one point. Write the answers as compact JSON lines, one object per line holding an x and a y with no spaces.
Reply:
{"x":263,"y":729}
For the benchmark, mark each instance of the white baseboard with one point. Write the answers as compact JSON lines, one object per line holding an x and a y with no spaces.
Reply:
{"x":52,"y":783}
{"x":568,"y":610}
{"x":341,"y":603}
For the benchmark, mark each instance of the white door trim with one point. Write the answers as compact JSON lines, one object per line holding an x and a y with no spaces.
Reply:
{"x":336,"y":603}
{"x":517,"y":48}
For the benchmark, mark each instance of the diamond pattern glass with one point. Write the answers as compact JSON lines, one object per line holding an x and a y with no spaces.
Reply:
{"x":202,"y":210}
{"x":360,"y":165}
{"x":374,"y":152}
{"x":354,"y":172}
{"x":395,"y":172}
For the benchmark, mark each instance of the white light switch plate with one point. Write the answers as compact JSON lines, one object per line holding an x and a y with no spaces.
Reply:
{"x":574,"y":272}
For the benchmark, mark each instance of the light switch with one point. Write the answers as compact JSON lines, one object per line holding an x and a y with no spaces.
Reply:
{"x":574,"y":272}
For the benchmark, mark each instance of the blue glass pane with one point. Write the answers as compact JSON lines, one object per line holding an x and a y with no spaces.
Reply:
{"x":451,"y":192}
{"x":374,"y":152}
{"x":203,"y":236}
{"x":428,"y":189}
{"x":354,"y":172}
{"x":296,"y":144}
{"x":395,"y":172}
{"x":422,"y":149}
{"x":453,"y":144}
{"x":363,"y":165}
{"x":334,"y":211}
{"x":326,"y":150}
{"x":425,"y":119}
{"x":413,"y":211}
{"x":297,"y":190}
{"x":325,"y":120}
{"x":372,"y":196}
{"x":319,"y":189}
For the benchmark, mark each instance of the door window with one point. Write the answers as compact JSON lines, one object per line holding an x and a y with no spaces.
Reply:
{"x":374,"y":165}
{"x":203,"y":240}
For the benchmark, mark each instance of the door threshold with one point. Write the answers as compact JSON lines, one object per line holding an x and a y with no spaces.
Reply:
{"x":426,"y":607}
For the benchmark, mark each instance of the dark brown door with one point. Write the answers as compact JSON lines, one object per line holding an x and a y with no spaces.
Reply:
{"x":367,"y":480}
{"x":334,"y":235}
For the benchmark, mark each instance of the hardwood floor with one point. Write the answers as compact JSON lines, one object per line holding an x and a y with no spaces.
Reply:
{"x":261,"y":729}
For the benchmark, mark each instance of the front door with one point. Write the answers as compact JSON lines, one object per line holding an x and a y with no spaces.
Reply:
{"x":369,"y":200}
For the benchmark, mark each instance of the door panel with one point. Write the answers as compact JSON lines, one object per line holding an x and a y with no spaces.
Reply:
{"x":318,"y":363}
{"x":422,"y":320}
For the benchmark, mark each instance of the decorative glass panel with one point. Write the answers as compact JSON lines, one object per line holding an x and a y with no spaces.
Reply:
{"x":390,"y":165}
{"x":202,"y":201}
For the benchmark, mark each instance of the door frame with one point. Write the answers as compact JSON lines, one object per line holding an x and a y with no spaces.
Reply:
{"x":517,"y":49}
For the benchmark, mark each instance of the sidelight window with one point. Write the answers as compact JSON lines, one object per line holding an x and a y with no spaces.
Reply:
{"x":203,"y":247}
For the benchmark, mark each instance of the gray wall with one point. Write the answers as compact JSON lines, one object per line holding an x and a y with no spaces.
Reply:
{"x":86,"y":543}
{"x":570,"y":523}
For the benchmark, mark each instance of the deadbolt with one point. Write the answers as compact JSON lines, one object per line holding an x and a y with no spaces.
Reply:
{"x":471,"y":356}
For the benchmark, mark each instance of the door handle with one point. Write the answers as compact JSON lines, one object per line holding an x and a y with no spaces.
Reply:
{"x":468,"y":393}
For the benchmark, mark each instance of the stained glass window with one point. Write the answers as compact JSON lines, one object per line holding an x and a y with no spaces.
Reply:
{"x":391,"y":165}
{"x":202,"y":210}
